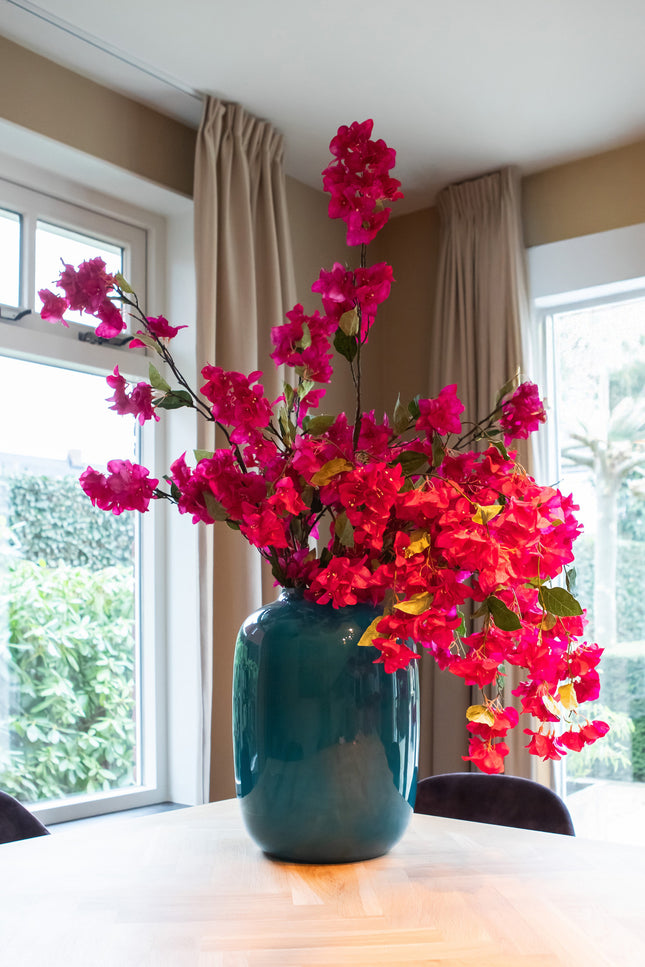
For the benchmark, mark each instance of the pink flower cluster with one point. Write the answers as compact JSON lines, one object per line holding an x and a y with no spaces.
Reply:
{"x":401,"y":514}
{"x":359,"y":182}
{"x":137,"y":403}
{"x":86,"y":290}
{"x":522,"y":412}
{"x":127,"y":486}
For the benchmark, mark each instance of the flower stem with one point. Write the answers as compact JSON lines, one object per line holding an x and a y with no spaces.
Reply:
{"x":357,"y":375}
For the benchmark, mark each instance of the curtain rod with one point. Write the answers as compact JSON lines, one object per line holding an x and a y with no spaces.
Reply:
{"x":35,"y":11}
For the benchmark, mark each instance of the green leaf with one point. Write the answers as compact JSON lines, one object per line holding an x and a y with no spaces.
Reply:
{"x":147,"y":341}
{"x":461,"y":630}
{"x":288,"y":428}
{"x":345,"y":345}
{"x":344,"y":530}
{"x":559,"y":601}
{"x":510,"y":385}
{"x":289,"y":394}
{"x":214,"y":507}
{"x":413,"y":407}
{"x":317,"y":425}
{"x":305,"y":342}
{"x":504,"y":618}
{"x":123,"y":283}
{"x":499,"y":446}
{"x":175,"y":399}
{"x":401,"y":416}
{"x":438,"y":451}
{"x":411,"y":461}
{"x":156,"y":379}
{"x":304,"y":387}
{"x":202,"y":455}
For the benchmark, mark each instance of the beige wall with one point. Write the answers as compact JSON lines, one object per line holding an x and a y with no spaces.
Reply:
{"x":595,"y":194}
{"x":400,"y":339}
{"x":39,"y":95}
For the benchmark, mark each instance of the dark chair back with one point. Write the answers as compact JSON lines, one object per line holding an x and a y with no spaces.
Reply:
{"x":16,"y":822}
{"x":501,"y":800}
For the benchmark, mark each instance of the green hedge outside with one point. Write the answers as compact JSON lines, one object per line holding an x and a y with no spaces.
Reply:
{"x":51,"y":520}
{"x":67,"y":642}
{"x":69,"y":655}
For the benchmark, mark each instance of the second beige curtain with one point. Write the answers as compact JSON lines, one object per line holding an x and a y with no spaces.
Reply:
{"x":245,"y":284}
{"x":481,"y":310}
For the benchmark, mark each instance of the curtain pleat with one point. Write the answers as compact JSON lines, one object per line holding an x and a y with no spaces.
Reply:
{"x":481,"y":310}
{"x":245,"y":284}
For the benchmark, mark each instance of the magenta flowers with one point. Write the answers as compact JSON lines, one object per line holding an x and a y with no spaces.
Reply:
{"x":425,"y":514}
{"x":126,"y":487}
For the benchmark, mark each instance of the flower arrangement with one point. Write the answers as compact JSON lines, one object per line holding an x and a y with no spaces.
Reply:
{"x":418,"y":514}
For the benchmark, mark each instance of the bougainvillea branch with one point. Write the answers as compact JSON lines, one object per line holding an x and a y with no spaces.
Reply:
{"x":420,"y":515}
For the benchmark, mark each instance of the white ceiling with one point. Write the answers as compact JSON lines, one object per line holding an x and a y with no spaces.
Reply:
{"x":458,"y":87}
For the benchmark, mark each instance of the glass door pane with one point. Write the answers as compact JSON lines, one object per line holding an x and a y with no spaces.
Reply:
{"x":600,"y":355}
{"x":69,"y":642}
{"x":9,"y":258}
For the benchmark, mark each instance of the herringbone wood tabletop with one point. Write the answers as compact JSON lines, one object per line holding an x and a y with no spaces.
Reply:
{"x":189,"y":889}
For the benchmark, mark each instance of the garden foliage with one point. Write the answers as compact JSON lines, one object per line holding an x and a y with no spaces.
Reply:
{"x":67,"y":655}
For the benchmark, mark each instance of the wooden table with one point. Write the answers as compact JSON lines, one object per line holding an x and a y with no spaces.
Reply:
{"x":189,"y":889}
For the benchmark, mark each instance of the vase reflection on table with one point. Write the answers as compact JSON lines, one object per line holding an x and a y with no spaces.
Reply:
{"x":325,"y":740}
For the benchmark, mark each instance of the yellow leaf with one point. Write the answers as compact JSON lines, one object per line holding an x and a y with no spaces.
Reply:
{"x":567,"y":695}
{"x":348,"y":322}
{"x":370,"y":633}
{"x":479,"y":713}
{"x":551,"y":705}
{"x":548,"y":621}
{"x":419,"y":540}
{"x":330,"y":470}
{"x":483,"y":514}
{"x":417,"y":604}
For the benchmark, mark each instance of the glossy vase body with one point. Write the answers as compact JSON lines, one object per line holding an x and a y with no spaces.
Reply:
{"x":325,"y":741}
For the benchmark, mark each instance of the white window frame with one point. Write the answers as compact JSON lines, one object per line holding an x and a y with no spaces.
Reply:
{"x":569,"y":274}
{"x":32,"y":338}
{"x":573,"y":273}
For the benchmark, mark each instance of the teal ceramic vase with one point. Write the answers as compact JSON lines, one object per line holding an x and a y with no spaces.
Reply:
{"x":325,"y":741}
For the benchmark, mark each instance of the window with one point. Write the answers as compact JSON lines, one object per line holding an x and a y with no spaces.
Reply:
{"x":594,"y":342}
{"x":79,"y":665}
{"x":10,"y":248}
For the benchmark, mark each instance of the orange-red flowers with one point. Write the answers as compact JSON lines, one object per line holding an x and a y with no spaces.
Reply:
{"x":401,"y":512}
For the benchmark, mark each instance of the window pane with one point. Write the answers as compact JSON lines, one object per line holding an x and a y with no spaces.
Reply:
{"x":9,"y":258}
{"x":601,"y":422}
{"x":68,"y":632}
{"x":55,"y":245}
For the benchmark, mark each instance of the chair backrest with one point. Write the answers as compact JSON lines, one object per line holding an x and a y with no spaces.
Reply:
{"x":16,"y":822}
{"x":501,"y":800}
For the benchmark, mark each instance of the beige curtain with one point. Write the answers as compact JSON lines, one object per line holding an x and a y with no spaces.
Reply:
{"x":245,"y":284}
{"x":482,"y":308}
